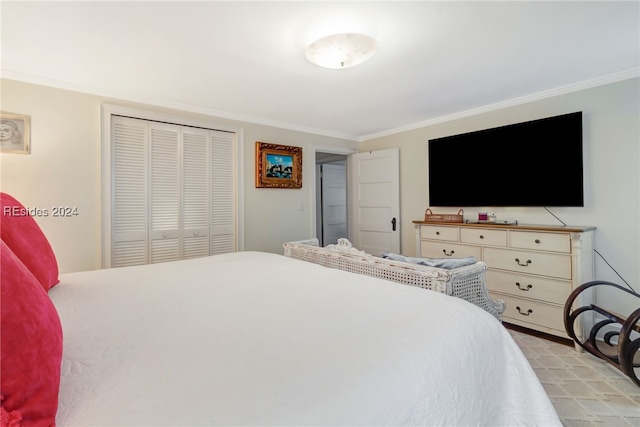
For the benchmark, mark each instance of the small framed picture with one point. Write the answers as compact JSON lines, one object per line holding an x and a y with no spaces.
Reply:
{"x":278,"y":166}
{"x":15,"y":132}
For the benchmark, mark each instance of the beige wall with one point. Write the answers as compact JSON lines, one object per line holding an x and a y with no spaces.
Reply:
{"x":611,"y":115}
{"x":64,"y":168}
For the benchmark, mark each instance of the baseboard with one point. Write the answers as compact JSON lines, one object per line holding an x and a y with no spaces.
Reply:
{"x":543,"y":335}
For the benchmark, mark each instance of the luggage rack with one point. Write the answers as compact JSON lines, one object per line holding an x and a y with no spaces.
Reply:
{"x":616,"y":339}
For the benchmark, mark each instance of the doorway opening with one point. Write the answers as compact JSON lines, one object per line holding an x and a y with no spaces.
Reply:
{"x":331,"y":197}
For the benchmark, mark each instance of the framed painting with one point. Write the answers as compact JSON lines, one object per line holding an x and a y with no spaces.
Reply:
{"x":278,"y":166}
{"x":14,"y":133}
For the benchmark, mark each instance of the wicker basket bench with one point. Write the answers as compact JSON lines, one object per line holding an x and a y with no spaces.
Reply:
{"x":466,"y":282}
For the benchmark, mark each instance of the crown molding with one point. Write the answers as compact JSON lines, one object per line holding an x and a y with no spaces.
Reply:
{"x":575,"y":87}
{"x":586,"y":84}
{"x":112,"y":96}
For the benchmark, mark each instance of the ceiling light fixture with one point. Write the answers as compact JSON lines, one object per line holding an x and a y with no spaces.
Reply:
{"x":341,"y":50}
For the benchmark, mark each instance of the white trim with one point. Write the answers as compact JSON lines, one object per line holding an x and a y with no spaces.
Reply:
{"x":105,"y":186}
{"x":599,"y":81}
{"x":331,"y":149}
{"x":107,"y":110}
{"x":28,"y":78}
{"x":587,"y":84}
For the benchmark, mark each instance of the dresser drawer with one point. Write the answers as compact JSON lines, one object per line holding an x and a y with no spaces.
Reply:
{"x":521,"y":285}
{"x":534,"y":313}
{"x":533,"y":268}
{"x":435,"y":249}
{"x":553,"y":242}
{"x":481,"y":236}
{"x":436,"y":232}
{"x":544,"y":264}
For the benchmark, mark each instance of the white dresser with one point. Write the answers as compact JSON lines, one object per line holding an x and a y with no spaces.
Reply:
{"x":533,"y":268}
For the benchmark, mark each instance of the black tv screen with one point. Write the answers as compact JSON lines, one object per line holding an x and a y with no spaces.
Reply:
{"x":535,"y":163}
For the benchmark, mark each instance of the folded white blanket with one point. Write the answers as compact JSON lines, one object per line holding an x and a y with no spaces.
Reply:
{"x":448,"y":263}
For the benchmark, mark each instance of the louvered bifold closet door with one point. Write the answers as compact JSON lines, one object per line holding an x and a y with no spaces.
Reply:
{"x":129,"y":192}
{"x":173,"y":192}
{"x":195,"y":192}
{"x":223,"y":195}
{"x":165,"y":183}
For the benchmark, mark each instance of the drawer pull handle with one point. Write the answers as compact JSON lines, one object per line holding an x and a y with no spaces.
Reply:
{"x":448,"y":254}
{"x":165,"y":235}
{"x":524,"y":289}
{"x":521,"y":264}
{"x":437,"y":233}
{"x":524,"y":314}
{"x":537,"y":240}
{"x":481,"y":236}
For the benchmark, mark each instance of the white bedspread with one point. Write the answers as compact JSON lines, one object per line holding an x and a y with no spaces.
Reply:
{"x":253,"y":338}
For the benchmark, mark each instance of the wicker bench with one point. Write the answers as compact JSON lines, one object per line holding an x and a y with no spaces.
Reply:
{"x":466,"y":282}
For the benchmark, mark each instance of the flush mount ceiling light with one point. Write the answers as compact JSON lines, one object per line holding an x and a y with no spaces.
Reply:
{"x":341,"y":50}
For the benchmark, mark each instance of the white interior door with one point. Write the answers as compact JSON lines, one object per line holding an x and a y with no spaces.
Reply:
{"x":164,"y":179}
{"x":195,"y":192}
{"x":375,"y":201}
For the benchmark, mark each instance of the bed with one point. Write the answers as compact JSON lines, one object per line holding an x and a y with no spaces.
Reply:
{"x":249,"y":338}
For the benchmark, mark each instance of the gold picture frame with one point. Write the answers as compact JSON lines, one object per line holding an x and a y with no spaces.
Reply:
{"x":278,"y":166}
{"x":15,"y":133}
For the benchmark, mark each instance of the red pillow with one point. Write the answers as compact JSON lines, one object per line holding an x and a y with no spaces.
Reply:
{"x":31,"y":346}
{"x":24,"y":237}
{"x":9,"y":419}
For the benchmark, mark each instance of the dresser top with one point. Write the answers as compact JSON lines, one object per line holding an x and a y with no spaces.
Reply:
{"x":533,"y":227}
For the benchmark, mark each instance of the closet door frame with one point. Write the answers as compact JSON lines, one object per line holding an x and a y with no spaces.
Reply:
{"x":109,"y":110}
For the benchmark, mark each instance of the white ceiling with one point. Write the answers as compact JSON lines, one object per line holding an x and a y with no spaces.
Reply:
{"x":245,"y":60}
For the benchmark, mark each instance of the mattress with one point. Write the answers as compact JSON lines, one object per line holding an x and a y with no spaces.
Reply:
{"x":252,"y":338}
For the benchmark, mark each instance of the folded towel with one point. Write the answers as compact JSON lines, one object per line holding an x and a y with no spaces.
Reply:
{"x":345,"y":246}
{"x":448,"y":263}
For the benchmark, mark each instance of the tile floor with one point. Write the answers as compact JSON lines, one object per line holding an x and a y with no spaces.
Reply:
{"x":585,"y":390}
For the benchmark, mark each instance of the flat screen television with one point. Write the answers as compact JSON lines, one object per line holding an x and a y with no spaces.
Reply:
{"x":535,"y":163}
